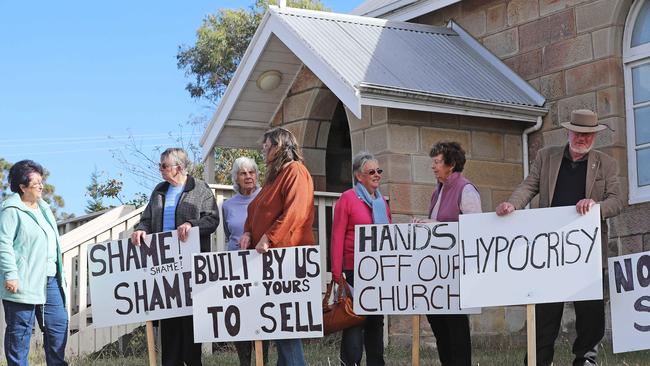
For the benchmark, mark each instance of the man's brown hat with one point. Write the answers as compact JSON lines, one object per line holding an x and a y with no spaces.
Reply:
{"x":584,"y":121}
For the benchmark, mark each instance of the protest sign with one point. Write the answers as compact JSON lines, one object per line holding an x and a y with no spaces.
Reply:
{"x":244,"y":295}
{"x":629,"y":278}
{"x":407,"y":269}
{"x":530,"y":257}
{"x":131,"y":284}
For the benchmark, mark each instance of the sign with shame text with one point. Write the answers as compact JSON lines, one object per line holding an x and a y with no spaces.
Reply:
{"x":530,"y":257}
{"x":131,"y":284}
{"x":407,"y":269}
{"x":629,"y":279}
{"x":243,"y":295}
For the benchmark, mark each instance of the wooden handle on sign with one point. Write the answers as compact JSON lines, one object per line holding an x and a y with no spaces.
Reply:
{"x":530,"y":328}
{"x":259,"y":354}
{"x":415,"y":352}
{"x":151,"y":344}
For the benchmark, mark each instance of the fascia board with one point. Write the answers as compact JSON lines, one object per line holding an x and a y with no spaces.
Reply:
{"x":414,"y":10}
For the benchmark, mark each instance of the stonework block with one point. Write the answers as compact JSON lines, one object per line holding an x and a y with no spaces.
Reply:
{"x":611,"y":138}
{"x":594,"y":75}
{"x":320,"y":184}
{"x":550,"y":120}
{"x":608,"y":42}
{"x":646,"y":242}
{"x":598,"y":14}
{"x":493,"y":174}
{"x":323,"y":134}
{"x":430,"y":136}
{"x":474,"y":23}
{"x":323,"y":104}
{"x":379,"y":115}
{"x":444,"y":120}
{"x":551,"y":6}
{"x":527,"y":65}
{"x":534,"y":83}
{"x":470,"y":123}
{"x":631,"y":244}
{"x":619,"y":153}
{"x":582,"y":101}
{"x":403,"y":139}
{"x":397,"y":167}
{"x":610,"y":102}
{"x":315,"y":161}
{"x":357,"y":142}
{"x":547,"y":30}
{"x":311,"y":133}
{"x":277,"y":118}
{"x":295,"y":106}
{"x":298,"y":130}
{"x":555,"y":137}
{"x":486,"y":198}
{"x":409,"y":116}
{"x":496,"y":18}
{"x":522,"y":11}
{"x":503,"y":44}
{"x":305,"y":80}
{"x":552,"y":86}
{"x":487,"y":145}
{"x":567,"y":53}
{"x":632,"y":221}
{"x":499,"y":196}
{"x":512,"y":148}
{"x":413,"y":198}
{"x":377,"y":139}
{"x":422,"y":172}
{"x":356,"y":123}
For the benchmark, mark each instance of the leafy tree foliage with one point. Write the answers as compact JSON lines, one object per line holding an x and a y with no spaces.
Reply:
{"x":110,"y":188}
{"x":220,"y":44}
{"x":225,"y":157}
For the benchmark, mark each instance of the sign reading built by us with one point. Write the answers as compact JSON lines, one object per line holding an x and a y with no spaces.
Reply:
{"x":131,"y":284}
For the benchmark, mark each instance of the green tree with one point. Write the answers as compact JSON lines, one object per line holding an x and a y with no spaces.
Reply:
{"x":221,"y":41}
{"x":55,"y":201}
{"x":101,"y":188}
{"x":225,"y":157}
{"x":95,"y":201}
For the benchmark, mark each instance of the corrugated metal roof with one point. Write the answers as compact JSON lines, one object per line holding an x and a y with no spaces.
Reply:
{"x":372,"y":5}
{"x":408,"y":56}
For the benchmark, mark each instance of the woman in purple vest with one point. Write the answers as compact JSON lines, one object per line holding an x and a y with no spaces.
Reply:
{"x":454,"y":195}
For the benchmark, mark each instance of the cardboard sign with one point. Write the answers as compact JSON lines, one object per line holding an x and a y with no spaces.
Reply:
{"x":530,"y":257}
{"x":244,"y":295}
{"x":629,"y":278}
{"x":407,"y":269}
{"x":131,"y":284}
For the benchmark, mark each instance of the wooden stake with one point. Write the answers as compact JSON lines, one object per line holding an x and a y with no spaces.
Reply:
{"x":415,"y":351}
{"x":259,"y":354}
{"x":530,"y":327}
{"x":151,"y":344}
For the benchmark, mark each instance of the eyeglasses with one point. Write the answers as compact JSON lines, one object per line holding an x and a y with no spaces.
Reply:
{"x":165,"y":166}
{"x":36,"y":184}
{"x":373,"y":171}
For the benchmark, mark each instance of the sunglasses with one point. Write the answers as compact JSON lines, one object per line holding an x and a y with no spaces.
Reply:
{"x":165,"y":166}
{"x":373,"y":171}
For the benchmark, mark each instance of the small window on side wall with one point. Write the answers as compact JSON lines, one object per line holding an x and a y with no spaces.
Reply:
{"x":636,"y":57}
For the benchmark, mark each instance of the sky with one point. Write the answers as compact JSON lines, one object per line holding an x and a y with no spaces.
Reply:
{"x":77,"y":78}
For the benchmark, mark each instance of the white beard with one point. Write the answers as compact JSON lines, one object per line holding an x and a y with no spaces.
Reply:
{"x":581,"y":151}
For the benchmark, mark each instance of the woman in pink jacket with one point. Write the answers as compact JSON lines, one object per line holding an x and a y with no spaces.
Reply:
{"x":361,"y":205}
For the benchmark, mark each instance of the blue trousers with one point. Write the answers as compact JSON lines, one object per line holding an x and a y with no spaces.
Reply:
{"x":52,"y":319}
{"x":290,"y":352}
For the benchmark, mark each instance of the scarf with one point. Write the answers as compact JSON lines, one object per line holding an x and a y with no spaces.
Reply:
{"x":377,"y":204}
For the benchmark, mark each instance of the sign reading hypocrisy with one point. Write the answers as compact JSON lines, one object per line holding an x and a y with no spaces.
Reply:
{"x":131,"y":284}
{"x":629,"y":278}
{"x":530,"y":257}
{"x":407,"y":269}
{"x":244,"y":295}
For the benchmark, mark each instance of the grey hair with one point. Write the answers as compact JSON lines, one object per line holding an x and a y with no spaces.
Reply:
{"x":177,"y":156}
{"x":242,"y":162}
{"x":359,"y":161}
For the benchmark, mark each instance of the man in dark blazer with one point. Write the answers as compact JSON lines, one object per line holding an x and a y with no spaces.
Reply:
{"x":573,"y":174}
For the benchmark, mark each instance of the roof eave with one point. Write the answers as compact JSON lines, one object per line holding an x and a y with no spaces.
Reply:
{"x":384,"y":96}
{"x":406,"y":10}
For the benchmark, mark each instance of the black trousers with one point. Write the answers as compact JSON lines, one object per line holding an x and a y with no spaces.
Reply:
{"x":590,"y":329}
{"x":177,"y":341}
{"x":452,"y":338}
{"x":245,"y":348}
{"x":370,"y":335}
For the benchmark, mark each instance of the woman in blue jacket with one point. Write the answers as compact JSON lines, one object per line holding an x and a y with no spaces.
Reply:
{"x":31,"y":269}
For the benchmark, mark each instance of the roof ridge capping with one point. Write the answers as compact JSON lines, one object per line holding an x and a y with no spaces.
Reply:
{"x":364,"y":20}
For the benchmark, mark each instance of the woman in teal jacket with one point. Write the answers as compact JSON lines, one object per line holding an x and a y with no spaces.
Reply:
{"x":31,"y":269}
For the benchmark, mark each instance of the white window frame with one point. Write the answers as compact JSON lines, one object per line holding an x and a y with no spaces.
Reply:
{"x":633,"y":57}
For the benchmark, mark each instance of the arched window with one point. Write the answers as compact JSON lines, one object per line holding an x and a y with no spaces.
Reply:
{"x":636,"y":57}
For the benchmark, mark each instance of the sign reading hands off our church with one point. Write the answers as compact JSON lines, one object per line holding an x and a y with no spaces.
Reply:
{"x":132,"y":284}
{"x":629,"y":289}
{"x":407,"y":269}
{"x":530,"y":257}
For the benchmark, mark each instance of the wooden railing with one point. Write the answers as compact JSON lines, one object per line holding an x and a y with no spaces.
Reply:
{"x":119,"y":223}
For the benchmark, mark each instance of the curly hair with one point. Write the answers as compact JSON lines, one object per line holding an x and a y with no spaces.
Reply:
{"x":452,"y":153}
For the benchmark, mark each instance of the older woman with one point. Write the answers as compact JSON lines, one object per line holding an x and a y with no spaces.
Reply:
{"x":282,"y":213}
{"x":361,"y":205}
{"x":179,"y":203}
{"x":32,"y":269}
{"x":454,"y":195}
{"x":235,"y":210}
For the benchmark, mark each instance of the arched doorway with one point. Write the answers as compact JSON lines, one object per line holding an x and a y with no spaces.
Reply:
{"x":338,"y":157}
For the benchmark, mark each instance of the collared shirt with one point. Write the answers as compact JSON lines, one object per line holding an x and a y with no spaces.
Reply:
{"x":570,"y":183}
